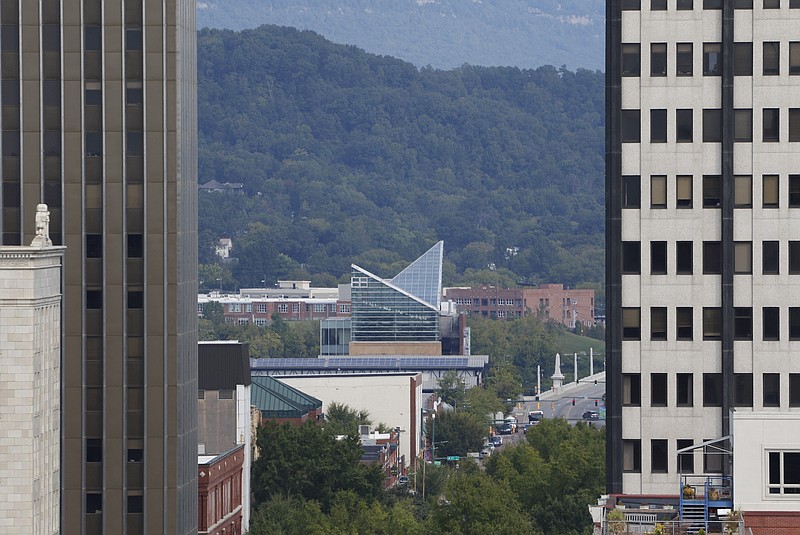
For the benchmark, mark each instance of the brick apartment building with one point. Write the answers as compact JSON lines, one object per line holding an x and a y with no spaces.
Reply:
{"x":556,"y":302}
{"x":219,"y":485}
{"x":259,"y":311}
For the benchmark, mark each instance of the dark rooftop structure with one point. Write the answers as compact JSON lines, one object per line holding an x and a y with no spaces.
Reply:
{"x":278,"y":401}
{"x":222,"y":364}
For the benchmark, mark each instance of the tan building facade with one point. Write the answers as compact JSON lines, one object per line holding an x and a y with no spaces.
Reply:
{"x":99,"y":122}
{"x":30,"y":389}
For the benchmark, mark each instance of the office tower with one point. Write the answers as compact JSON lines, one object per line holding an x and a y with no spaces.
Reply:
{"x":703,"y":229}
{"x":30,"y":388}
{"x":99,"y":123}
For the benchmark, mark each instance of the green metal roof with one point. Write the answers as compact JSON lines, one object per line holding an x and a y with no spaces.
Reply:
{"x":278,"y":400}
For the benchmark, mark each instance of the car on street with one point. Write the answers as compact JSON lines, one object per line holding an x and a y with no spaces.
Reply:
{"x":505,"y":429}
{"x":591,"y":415}
{"x":528,"y":426}
{"x":513,"y":421}
{"x":496,"y":440}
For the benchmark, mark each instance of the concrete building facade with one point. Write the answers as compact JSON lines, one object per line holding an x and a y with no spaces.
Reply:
{"x":703,"y":233}
{"x":99,"y":122}
{"x":394,"y":399}
{"x":30,"y":389}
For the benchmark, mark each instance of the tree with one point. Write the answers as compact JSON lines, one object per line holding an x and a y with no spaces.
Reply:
{"x":320,"y":146}
{"x":451,"y":388}
{"x":456,"y":433}
{"x":476,"y":504}
{"x":482,"y":402}
{"x":556,"y":475}
{"x":289,"y":515}
{"x":504,"y":381}
{"x":340,"y":419}
{"x":214,"y":312}
{"x":307,"y":461}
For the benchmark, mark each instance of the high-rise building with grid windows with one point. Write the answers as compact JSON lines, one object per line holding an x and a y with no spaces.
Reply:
{"x":703,"y":236}
{"x":99,"y":122}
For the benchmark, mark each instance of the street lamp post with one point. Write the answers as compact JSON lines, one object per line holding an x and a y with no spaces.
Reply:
{"x":433,"y":439}
{"x":576,"y":367}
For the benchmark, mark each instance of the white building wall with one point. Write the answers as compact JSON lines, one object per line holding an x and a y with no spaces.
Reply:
{"x":696,"y":224}
{"x":30,"y":389}
{"x":389,"y":399}
{"x":755,"y":434}
{"x":244,"y":436}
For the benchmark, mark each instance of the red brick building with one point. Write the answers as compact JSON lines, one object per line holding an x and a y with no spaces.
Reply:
{"x":772,"y":522}
{"x":550,"y":301}
{"x":259,"y":311}
{"x":219,"y":492}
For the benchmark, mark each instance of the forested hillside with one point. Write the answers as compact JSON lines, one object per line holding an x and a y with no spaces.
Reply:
{"x":440,"y":33}
{"x":351,"y":157}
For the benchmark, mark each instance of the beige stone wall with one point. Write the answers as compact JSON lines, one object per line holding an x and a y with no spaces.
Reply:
{"x":30,"y":389}
{"x":395,"y":348}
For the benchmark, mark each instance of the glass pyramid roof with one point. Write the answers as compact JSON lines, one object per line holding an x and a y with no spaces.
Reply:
{"x":423,"y":277}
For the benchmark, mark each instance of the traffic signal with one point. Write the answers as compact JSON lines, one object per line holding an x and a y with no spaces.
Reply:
{"x":595,"y":403}
{"x":573,"y":402}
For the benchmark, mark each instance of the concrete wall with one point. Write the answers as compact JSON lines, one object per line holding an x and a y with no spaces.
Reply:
{"x":755,"y":434}
{"x":395,"y":348}
{"x":30,"y":389}
{"x":391,"y":399}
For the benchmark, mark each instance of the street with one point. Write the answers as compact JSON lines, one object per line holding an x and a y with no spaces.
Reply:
{"x":587,"y":397}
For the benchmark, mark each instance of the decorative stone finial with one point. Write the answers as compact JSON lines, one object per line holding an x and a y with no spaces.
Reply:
{"x":42,"y":238}
{"x":557,"y":377}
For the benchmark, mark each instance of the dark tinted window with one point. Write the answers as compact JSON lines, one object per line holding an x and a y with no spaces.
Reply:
{"x":712,"y":125}
{"x":683,"y":258}
{"x":658,"y":59}
{"x":743,"y":389}
{"x":743,"y":59}
{"x":631,"y":257}
{"x":631,"y":126}
{"x":712,"y":389}
{"x":712,"y":59}
{"x":770,"y":257}
{"x":658,"y":126}
{"x":658,"y":389}
{"x":631,"y":191}
{"x":658,"y":257}
{"x":743,"y":323}
{"x":684,"y":126}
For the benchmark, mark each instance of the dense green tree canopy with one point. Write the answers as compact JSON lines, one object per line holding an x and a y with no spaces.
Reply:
{"x":309,"y":462}
{"x":348,"y":157}
{"x":456,"y":432}
{"x":307,"y":482}
{"x":557,"y":475}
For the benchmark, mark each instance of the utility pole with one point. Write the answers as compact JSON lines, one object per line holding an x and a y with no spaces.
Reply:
{"x":591,"y":361}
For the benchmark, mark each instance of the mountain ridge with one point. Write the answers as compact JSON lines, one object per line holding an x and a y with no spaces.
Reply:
{"x":349,"y":157}
{"x":441,"y":33}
